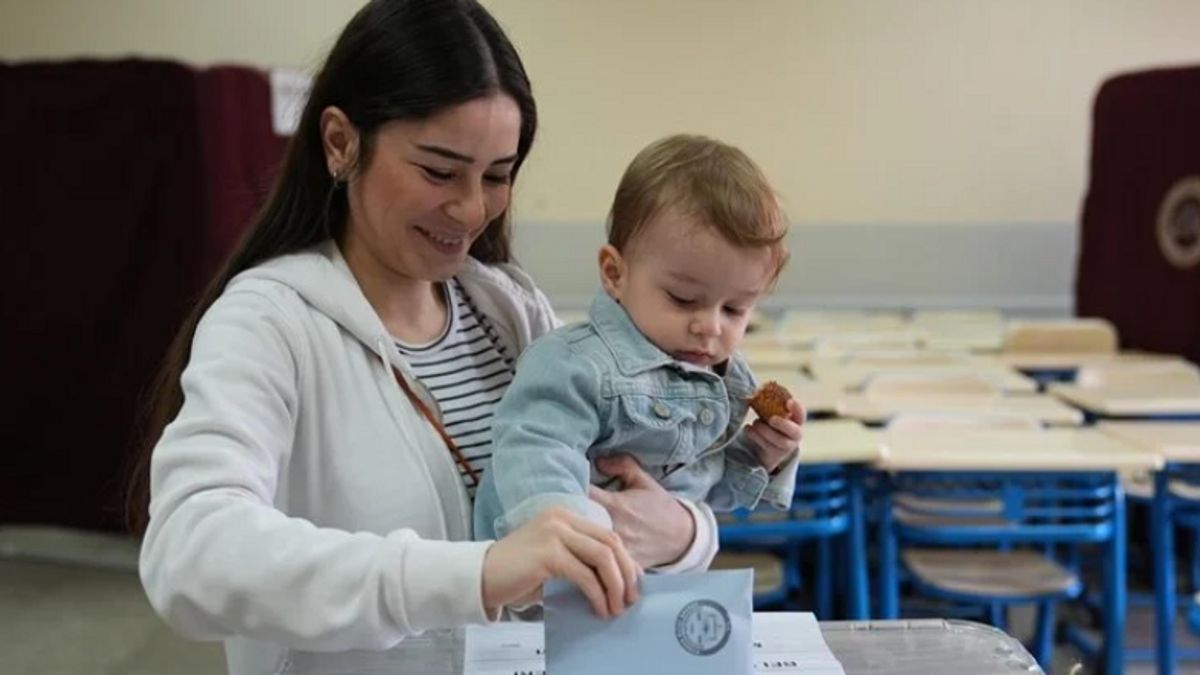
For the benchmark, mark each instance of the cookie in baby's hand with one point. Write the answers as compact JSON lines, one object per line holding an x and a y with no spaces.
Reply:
{"x":771,"y":400}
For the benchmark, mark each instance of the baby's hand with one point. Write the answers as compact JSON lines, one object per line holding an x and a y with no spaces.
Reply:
{"x":779,"y":437}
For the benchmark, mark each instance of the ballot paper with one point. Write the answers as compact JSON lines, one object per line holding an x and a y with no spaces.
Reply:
{"x":783,"y":642}
{"x":690,"y":623}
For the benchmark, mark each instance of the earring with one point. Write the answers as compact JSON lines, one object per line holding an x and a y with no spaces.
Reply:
{"x":339,"y":176}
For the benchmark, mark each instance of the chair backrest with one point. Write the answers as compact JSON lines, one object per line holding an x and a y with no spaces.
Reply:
{"x":1089,"y":336}
{"x":820,"y":507}
{"x":1042,"y":507}
{"x":906,"y":384}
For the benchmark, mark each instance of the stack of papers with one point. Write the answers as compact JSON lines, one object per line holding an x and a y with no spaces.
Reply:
{"x":784,"y":642}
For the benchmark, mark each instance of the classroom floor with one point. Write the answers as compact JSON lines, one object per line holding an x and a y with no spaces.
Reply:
{"x":71,"y":604}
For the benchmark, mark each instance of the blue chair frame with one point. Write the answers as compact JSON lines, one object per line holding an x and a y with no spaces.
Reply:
{"x":828,"y":504}
{"x":1167,"y":511}
{"x":1038,"y":508}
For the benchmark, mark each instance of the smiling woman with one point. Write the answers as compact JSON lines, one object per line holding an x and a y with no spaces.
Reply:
{"x":325,"y":414}
{"x":456,"y":168}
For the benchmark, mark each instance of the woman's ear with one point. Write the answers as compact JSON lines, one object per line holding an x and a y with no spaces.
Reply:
{"x":613,"y":271}
{"x":339,"y":140}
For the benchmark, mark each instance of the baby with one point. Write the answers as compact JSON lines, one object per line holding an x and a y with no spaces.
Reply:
{"x":695,"y":241}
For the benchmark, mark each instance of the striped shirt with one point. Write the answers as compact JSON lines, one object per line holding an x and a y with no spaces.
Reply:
{"x":467,"y":370}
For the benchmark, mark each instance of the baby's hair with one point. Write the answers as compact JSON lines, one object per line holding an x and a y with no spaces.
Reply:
{"x":716,"y":184}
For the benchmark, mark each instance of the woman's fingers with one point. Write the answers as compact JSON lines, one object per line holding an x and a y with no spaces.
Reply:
{"x":602,"y":552}
{"x":630,"y":570}
{"x":560,"y":544}
{"x":584,"y":577}
{"x":603,"y":560}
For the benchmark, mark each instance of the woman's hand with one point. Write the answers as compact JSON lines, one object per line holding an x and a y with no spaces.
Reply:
{"x":558,"y":544}
{"x":654,"y":526}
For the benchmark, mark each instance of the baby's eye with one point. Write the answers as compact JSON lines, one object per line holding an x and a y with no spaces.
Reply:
{"x":735,"y":311}
{"x":682,"y":302}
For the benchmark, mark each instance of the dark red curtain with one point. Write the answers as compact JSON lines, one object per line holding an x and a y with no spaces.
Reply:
{"x":241,"y":154}
{"x":123,"y":183}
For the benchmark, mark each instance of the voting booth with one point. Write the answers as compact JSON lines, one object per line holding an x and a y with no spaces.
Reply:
{"x":1139,"y":247}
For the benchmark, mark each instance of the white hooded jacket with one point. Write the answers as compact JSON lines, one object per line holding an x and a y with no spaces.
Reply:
{"x":302,"y":507}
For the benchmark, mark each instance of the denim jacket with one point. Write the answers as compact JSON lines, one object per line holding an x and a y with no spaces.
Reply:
{"x":601,"y":388}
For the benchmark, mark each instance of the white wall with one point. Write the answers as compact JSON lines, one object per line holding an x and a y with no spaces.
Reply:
{"x":955,"y":112}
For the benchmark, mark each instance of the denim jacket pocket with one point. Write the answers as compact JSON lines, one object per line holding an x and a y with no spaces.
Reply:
{"x":661,"y":428}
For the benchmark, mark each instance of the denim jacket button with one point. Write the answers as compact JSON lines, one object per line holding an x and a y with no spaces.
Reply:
{"x":707,"y":417}
{"x":662,"y":410}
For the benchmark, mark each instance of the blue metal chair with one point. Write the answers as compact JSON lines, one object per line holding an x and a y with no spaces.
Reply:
{"x":1012,"y":559}
{"x":932,"y":503}
{"x":1174,"y":504}
{"x":827,"y":506}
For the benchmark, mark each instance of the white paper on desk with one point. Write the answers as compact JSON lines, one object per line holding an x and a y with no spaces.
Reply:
{"x":784,"y":642}
{"x":512,"y":648}
{"x":791,"y":642}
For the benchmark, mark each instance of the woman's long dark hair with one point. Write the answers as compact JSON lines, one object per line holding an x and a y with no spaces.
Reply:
{"x":396,"y":59}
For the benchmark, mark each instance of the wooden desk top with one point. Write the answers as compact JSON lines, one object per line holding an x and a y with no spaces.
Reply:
{"x":1045,"y":409}
{"x":982,"y":343}
{"x":1130,"y":401}
{"x":851,"y":375}
{"x":1174,"y":441}
{"x":773,"y":357}
{"x":1013,"y":450}
{"x":839,"y":442}
{"x":1071,"y":360}
{"x":966,"y":335}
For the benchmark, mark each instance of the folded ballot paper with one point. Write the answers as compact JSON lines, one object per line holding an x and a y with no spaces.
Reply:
{"x":687,"y":623}
{"x":698,"y":624}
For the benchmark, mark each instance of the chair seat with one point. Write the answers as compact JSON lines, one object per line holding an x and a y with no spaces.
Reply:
{"x":933,"y":520}
{"x":1138,"y":485}
{"x":1185,"y":490}
{"x":768,"y":569}
{"x":992,"y":574}
{"x":914,"y":502}
{"x":757,"y":516}
{"x":1141,"y":486}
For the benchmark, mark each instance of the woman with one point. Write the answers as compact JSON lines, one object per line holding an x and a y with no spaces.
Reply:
{"x":310,"y":491}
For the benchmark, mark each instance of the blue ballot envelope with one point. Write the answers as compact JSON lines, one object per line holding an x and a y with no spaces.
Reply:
{"x":698,"y":624}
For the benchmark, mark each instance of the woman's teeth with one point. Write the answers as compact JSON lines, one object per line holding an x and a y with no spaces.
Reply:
{"x":441,"y":239}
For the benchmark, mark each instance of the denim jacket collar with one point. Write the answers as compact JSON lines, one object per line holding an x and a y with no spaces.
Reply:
{"x":634,"y":354}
